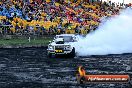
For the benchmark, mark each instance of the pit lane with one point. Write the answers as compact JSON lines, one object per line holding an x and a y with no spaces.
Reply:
{"x":30,"y":68}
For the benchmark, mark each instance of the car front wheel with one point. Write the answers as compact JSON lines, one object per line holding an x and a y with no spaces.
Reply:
{"x":49,"y":55}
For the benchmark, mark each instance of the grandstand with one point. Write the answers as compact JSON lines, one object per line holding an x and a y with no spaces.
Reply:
{"x":44,"y":17}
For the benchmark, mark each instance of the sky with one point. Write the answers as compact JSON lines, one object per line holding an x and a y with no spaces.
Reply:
{"x":121,"y":1}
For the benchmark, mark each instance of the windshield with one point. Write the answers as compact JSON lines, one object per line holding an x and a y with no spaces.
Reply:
{"x":67,"y":38}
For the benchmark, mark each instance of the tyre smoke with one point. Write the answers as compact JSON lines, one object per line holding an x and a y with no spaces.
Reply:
{"x":114,"y":36}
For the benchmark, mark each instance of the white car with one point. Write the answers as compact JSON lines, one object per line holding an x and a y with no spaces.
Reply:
{"x":62,"y":45}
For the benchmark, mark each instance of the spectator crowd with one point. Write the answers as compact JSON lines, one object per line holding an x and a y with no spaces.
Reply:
{"x":46,"y":17}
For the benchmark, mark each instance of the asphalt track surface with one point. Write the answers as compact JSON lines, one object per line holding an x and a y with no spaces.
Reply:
{"x":30,"y":68}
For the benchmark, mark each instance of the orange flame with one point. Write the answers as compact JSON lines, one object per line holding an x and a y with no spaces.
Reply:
{"x":81,"y":71}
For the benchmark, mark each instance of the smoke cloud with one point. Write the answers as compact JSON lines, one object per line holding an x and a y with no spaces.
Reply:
{"x":114,"y":36}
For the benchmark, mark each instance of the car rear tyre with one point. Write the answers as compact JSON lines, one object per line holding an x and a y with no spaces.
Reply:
{"x":72,"y":54}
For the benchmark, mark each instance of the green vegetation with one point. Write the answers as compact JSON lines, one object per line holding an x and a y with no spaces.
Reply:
{"x":25,"y":42}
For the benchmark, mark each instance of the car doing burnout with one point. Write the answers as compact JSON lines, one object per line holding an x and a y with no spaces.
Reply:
{"x":62,"y":45}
